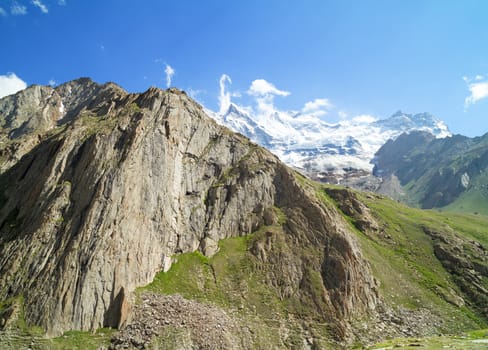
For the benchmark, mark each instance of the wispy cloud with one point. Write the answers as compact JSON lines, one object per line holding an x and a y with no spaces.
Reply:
{"x":10,"y":84}
{"x":317,"y":107}
{"x":52,"y":82}
{"x":40,"y":5}
{"x":18,"y":10}
{"x":62,"y":2}
{"x":262,"y":95}
{"x":261,"y":87}
{"x":169,"y":74}
{"x":478,"y":88}
{"x":264,"y":92}
{"x":224,"y":96}
{"x":3,"y":13}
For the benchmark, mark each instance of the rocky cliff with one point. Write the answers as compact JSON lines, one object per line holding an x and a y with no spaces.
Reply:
{"x":101,"y":188}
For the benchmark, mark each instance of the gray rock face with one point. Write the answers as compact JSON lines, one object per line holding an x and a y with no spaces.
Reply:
{"x":118,"y":183}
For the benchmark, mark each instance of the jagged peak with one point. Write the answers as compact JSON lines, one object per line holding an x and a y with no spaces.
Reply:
{"x":84,"y":83}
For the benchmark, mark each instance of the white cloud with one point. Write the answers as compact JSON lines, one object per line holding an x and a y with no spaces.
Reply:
{"x":478,"y":90}
{"x":61,"y":2}
{"x":10,"y":84}
{"x":224,"y":96}
{"x":52,"y":82}
{"x":40,"y":5}
{"x":3,"y":13}
{"x":264,"y":92}
{"x":261,"y":87}
{"x":169,"y":74}
{"x":17,"y":10}
{"x":317,"y":107}
{"x":342,"y":115}
{"x":364,"y":119}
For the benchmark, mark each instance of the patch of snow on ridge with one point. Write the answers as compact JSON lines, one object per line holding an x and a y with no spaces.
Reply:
{"x":305,"y":141}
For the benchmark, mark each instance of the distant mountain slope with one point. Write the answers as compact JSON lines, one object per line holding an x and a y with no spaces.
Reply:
{"x":449,"y":173}
{"x":325,"y":151}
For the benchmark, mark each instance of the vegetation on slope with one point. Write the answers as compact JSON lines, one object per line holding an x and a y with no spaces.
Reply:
{"x":404,"y":260}
{"x":17,"y":334}
{"x":449,"y":173}
{"x":401,"y":254}
{"x":235,"y":280}
{"x":476,"y":340}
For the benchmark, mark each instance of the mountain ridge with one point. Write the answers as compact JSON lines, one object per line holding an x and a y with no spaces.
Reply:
{"x":436,"y":173}
{"x":320,"y":149}
{"x":104,"y":200}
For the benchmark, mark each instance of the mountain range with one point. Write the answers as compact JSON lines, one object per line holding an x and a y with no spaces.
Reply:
{"x":134,"y":220}
{"x":426,"y":172}
{"x":324,"y":151}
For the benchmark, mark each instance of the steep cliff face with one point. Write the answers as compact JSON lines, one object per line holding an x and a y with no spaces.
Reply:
{"x":111,"y":185}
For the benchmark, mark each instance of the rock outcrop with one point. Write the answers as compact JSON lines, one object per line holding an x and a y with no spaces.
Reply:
{"x":113,"y":184}
{"x":467,"y":261}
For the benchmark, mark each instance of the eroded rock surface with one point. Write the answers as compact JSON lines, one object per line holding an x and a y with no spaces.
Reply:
{"x":467,"y":261}
{"x":121,"y":182}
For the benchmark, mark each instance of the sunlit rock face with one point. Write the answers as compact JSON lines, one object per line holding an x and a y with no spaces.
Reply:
{"x":112,"y":184}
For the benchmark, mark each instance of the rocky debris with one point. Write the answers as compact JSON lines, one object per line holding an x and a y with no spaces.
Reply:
{"x":399,"y":323}
{"x":177,"y":323}
{"x":390,"y":186}
{"x":467,"y":261}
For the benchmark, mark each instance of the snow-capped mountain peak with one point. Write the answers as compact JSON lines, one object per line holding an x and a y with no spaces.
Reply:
{"x":305,"y":141}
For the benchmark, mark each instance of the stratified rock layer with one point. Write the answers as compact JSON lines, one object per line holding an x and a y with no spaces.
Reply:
{"x":117,"y":183}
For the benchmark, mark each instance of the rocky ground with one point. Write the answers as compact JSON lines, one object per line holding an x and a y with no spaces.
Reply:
{"x":175,"y":322}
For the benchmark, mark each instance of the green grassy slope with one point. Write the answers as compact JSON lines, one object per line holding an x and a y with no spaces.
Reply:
{"x":477,"y":340}
{"x":402,"y":257}
{"x":474,"y":200}
{"x":399,"y":251}
{"x":235,"y":280}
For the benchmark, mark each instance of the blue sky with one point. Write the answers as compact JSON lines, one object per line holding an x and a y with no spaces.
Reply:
{"x":362,"y":57}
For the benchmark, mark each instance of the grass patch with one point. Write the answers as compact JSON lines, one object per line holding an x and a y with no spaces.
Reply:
{"x":402,"y":258}
{"x":19,"y":335}
{"x":476,"y":340}
{"x":77,"y":340}
{"x":237,"y":281}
